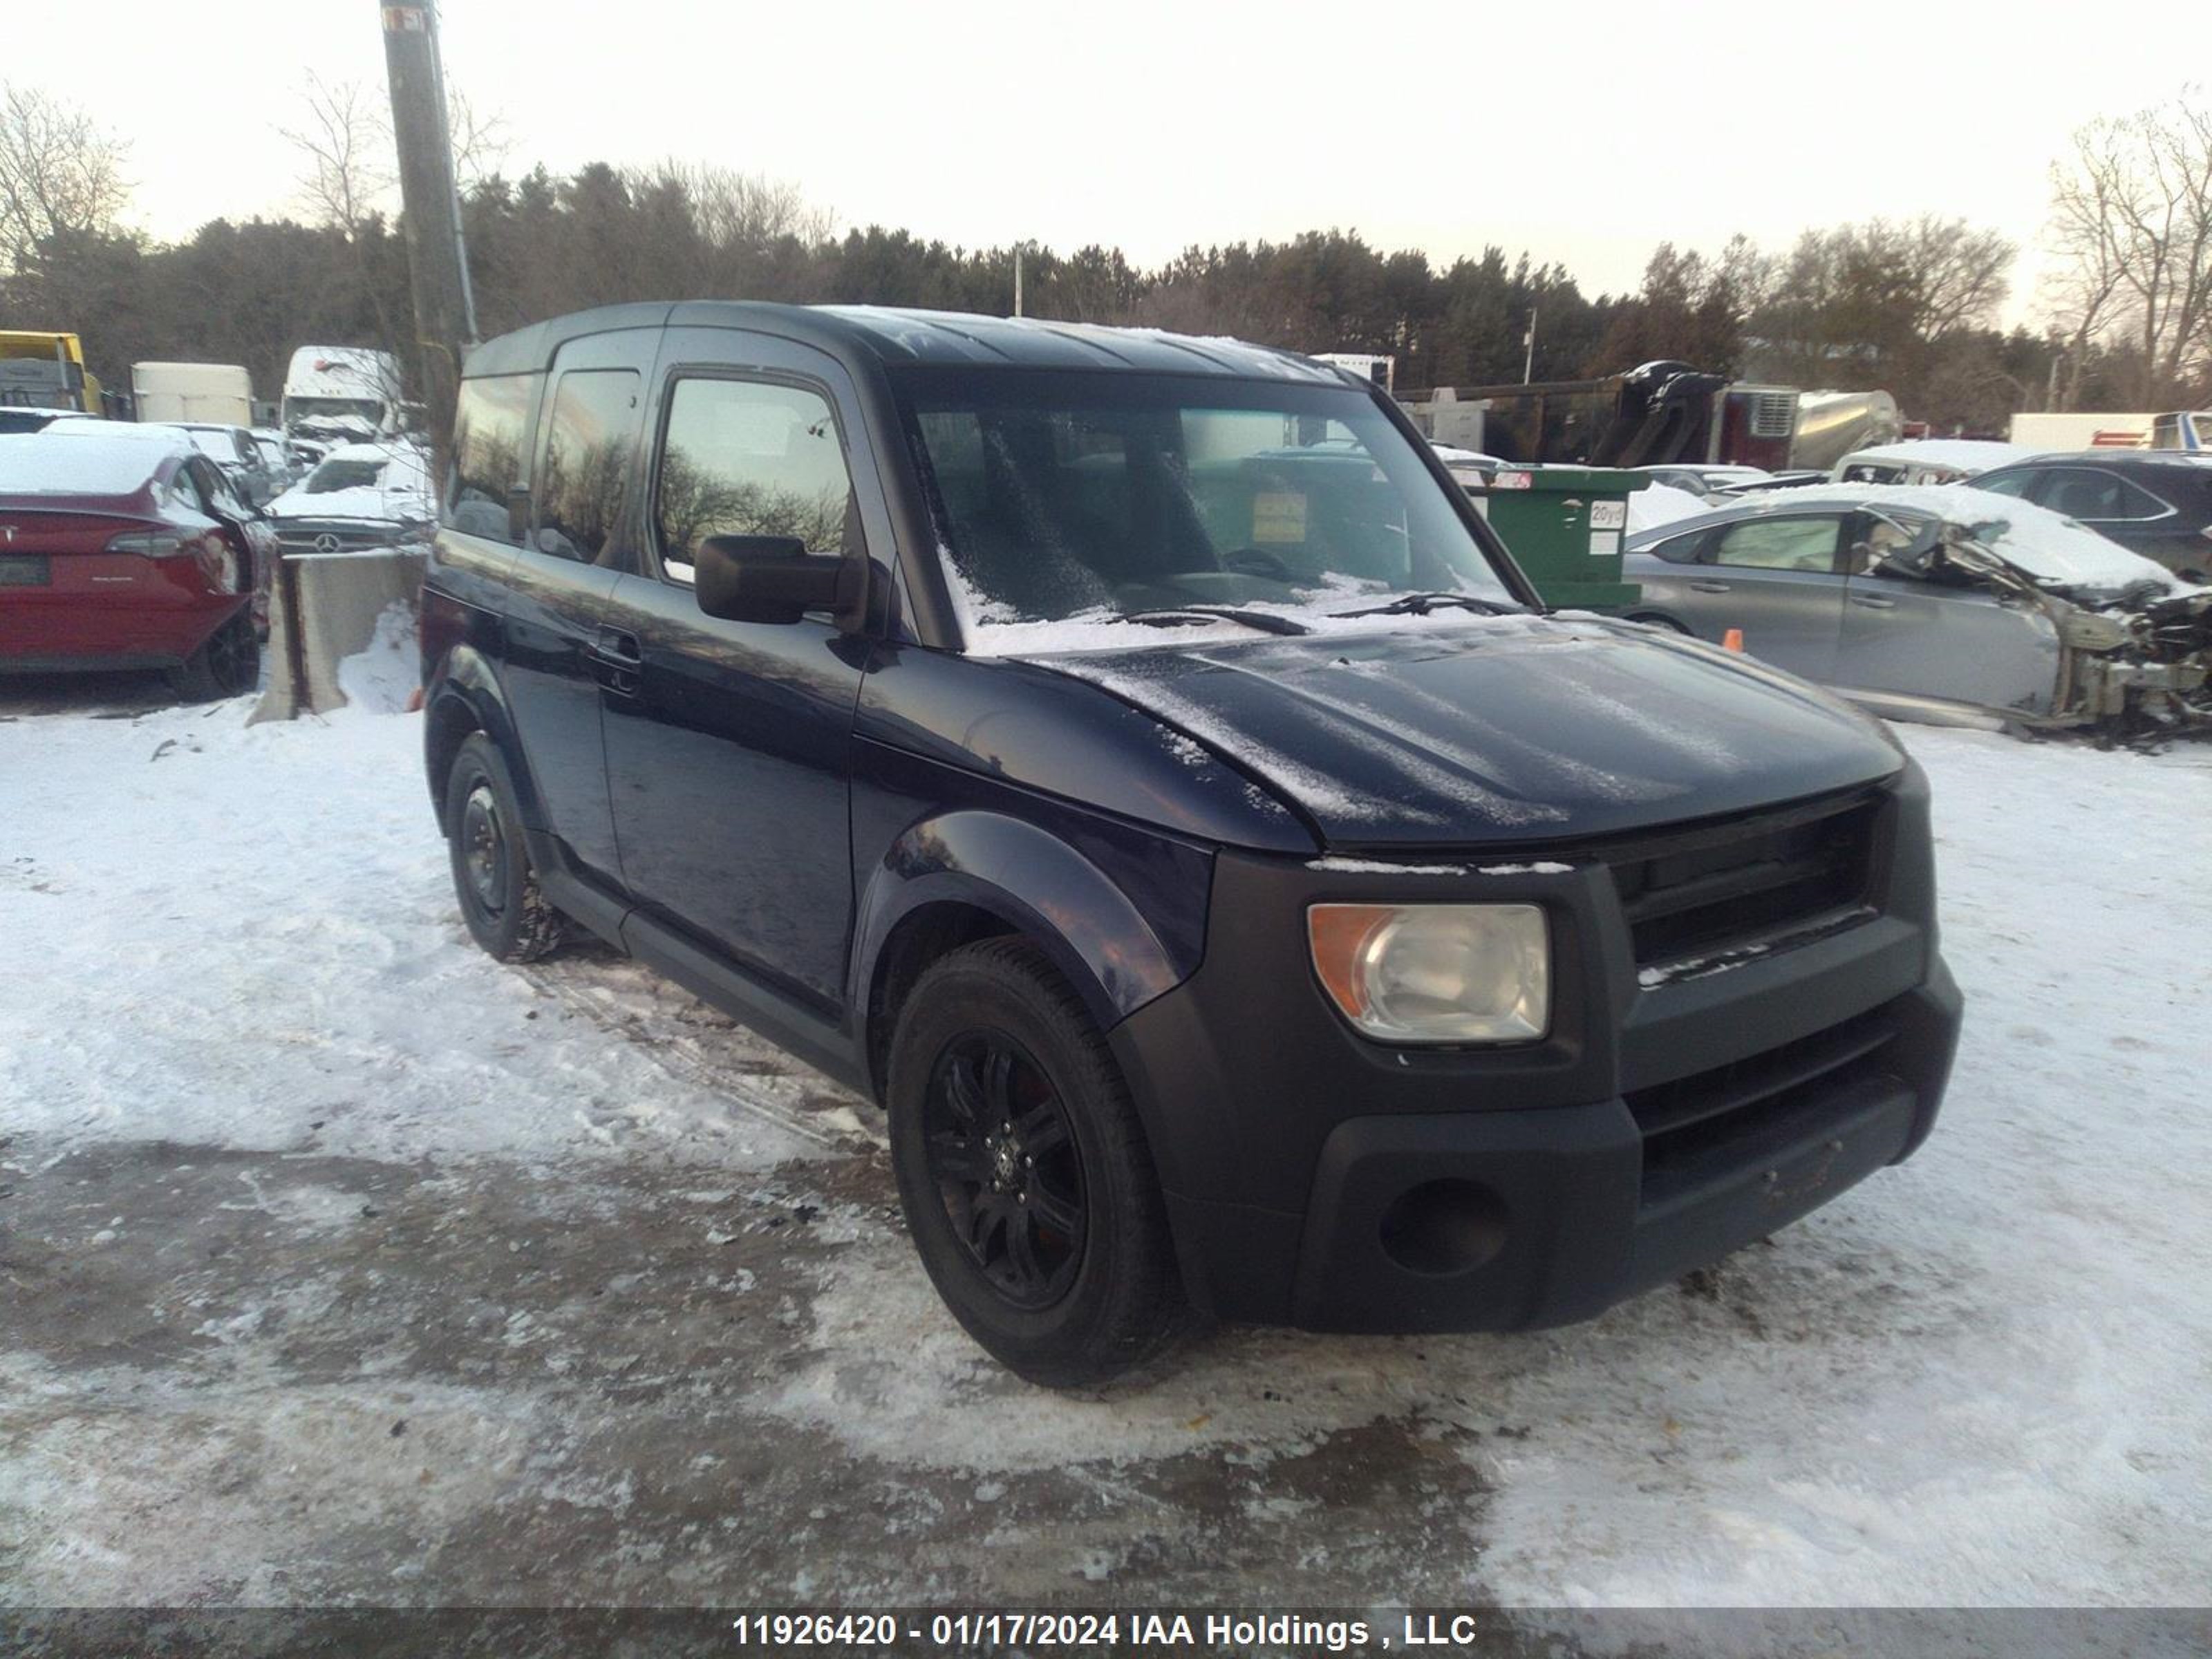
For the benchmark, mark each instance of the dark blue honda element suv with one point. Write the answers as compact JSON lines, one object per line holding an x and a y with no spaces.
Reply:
{"x":1132,"y":762}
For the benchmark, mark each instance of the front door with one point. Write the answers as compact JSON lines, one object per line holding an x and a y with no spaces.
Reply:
{"x":1778,"y":579}
{"x":729,"y":757}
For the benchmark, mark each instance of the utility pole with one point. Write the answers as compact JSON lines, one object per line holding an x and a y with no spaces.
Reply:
{"x":437,"y":260}
{"x":1017,"y":277}
{"x":1528,"y":362}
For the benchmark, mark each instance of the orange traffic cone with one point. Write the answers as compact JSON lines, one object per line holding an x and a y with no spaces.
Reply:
{"x":1732,"y":640}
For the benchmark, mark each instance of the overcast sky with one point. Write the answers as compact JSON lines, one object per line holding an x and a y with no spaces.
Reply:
{"x":1584,"y":134}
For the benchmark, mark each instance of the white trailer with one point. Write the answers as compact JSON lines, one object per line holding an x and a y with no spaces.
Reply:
{"x":2094,"y":430}
{"x":217,"y":394}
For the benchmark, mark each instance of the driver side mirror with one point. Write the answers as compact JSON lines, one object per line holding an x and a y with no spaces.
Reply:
{"x":772,"y":578}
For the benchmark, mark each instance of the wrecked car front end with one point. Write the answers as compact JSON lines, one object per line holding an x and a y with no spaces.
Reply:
{"x":2133,"y":661}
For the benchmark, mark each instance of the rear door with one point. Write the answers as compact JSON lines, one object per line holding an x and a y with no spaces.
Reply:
{"x":559,"y":616}
{"x":2121,"y":509}
{"x":729,"y":744}
{"x":1778,"y":578}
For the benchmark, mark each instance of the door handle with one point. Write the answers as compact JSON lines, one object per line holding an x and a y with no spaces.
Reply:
{"x":1709,"y":587}
{"x":1871,"y":603}
{"x":616,"y":660}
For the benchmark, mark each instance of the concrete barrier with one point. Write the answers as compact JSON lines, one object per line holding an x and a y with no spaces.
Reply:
{"x":324,"y":609}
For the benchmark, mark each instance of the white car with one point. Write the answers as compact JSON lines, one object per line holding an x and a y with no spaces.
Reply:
{"x":359,"y":496}
{"x":1928,"y":461}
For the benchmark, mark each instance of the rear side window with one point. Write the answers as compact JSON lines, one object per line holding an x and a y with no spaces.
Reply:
{"x":590,"y":438}
{"x":749,"y":458}
{"x":487,"y":442}
{"x":2092,"y":492}
{"x":2007,"y":483}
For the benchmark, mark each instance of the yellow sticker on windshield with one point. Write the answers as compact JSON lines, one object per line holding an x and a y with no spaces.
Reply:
{"x":1279,"y":515}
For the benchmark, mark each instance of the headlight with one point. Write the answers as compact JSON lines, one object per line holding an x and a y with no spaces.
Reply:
{"x":1436,"y":973}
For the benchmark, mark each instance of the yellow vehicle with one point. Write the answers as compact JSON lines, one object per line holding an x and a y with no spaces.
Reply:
{"x":40,"y":370}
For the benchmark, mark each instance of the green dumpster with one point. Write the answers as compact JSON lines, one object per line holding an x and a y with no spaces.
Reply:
{"x":1564,"y":526}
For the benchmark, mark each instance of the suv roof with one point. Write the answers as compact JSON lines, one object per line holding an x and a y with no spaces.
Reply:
{"x":893,"y":336}
{"x":2194,"y":460}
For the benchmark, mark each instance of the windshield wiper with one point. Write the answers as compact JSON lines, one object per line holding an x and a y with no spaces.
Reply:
{"x":1169,"y":616}
{"x":1420,"y":604}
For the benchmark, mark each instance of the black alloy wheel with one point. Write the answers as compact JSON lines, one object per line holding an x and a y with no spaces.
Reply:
{"x":1023,"y":1172}
{"x":1002,"y":1152}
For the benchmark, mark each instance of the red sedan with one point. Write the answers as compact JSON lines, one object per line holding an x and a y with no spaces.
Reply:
{"x":127,"y":553}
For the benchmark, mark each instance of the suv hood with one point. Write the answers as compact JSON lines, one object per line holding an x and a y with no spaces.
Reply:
{"x":1510,"y":729}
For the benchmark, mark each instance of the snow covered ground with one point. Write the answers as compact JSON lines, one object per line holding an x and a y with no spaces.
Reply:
{"x":340,"y":1263}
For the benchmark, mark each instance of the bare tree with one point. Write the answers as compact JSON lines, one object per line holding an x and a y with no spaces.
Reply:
{"x":345,"y":142}
{"x":733,"y":209}
{"x":1956,"y":274}
{"x":480,"y":142}
{"x":59,"y":173}
{"x":2131,"y":220}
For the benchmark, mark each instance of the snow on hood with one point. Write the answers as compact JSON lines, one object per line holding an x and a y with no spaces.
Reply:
{"x":1495,"y":729}
{"x":2055,"y":550}
{"x":400,"y":492}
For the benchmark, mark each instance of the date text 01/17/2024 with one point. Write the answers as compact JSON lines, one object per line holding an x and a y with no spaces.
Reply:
{"x":1079,"y":1631}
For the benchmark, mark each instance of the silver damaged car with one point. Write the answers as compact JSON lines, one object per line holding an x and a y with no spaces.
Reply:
{"x":1945,"y":603}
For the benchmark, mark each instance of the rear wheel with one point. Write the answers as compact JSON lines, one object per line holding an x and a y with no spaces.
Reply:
{"x":1023,"y":1171}
{"x":227,"y":665}
{"x":507,"y":912}
{"x":1666,"y":623}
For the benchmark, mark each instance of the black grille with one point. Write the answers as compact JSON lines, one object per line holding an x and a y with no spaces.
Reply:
{"x":1713,"y":1122}
{"x":1701,"y":893}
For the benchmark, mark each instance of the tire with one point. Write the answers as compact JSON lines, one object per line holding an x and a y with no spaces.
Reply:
{"x":1666,"y":623}
{"x":227,"y":665}
{"x":507,"y":912}
{"x":1049,"y":1243}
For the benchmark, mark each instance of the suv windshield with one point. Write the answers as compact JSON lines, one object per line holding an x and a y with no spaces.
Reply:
{"x":1078,"y":495}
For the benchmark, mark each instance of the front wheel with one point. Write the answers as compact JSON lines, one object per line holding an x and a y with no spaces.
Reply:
{"x":506,"y":910}
{"x":1023,"y":1171}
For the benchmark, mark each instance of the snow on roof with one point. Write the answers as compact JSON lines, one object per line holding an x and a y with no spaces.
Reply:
{"x":1657,"y":503}
{"x":32,"y":463}
{"x":341,"y":371}
{"x":2054,"y":550}
{"x":1967,"y":454}
{"x":157,"y":431}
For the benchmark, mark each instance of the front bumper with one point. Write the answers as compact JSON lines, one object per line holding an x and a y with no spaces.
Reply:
{"x":1319,"y":1180}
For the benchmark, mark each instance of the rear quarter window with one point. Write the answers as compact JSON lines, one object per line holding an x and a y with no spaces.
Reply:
{"x":491,"y":425}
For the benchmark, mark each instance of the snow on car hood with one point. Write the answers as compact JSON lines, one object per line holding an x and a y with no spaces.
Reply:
{"x":362,"y":501}
{"x":2056,"y":551}
{"x":401,"y":492}
{"x":1498,"y":729}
